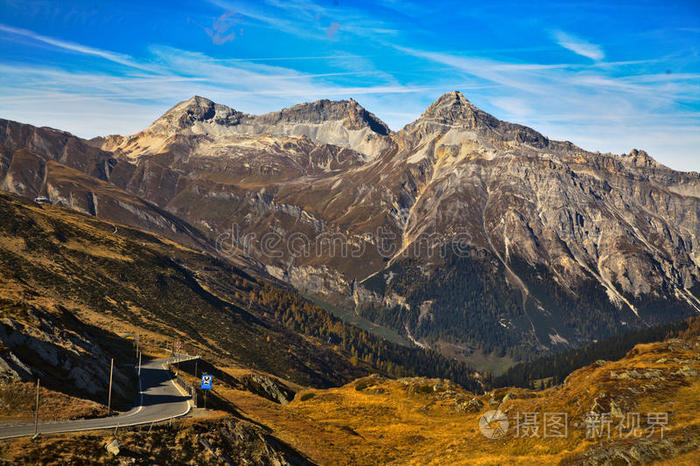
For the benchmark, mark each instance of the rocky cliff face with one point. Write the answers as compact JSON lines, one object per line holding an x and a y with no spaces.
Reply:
{"x":40,"y":345}
{"x":620,"y":219}
{"x":458,"y":229}
{"x":69,"y":171}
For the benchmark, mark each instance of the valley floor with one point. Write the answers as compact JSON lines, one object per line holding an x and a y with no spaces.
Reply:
{"x":375,"y":420}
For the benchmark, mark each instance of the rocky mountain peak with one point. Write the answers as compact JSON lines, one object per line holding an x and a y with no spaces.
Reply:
{"x":350,"y":111}
{"x":640,"y":158}
{"x":451,"y":105}
{"x":454,"y":110}
{"x":198,"y":109}
{"x":197,"y":101}
{"x":453,"y":98}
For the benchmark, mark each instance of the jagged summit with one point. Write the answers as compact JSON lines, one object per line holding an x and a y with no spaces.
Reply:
{"x":198,"y":108}
{"x":201,"y":109}
{"x":453,"y":111}
{"x":453,"y":108}
{"x":197,"y":100}
{"x":320,"y":111}
{"x":453,"y":98}
{"x":343,"y":123}
{"x":642,"y":159}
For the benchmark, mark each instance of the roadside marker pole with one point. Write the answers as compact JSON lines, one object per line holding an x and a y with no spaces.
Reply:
{"x":36,"y":409}
{"x":139,"y":363}
{"x":109,"y":396}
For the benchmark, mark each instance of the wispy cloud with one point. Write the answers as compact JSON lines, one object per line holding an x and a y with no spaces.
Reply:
{"x":289,"y":59}
{"x":261,"y":13}
{"x":579,"y":46}
{"x":222,"y":27}
{"x":90,"y":103}
{"x":332,"y":29}
{"x":602,"y":106}
{"x":312,"y":20}
{"x":606,"y":105}
{"x":119,"y":58}
{"x":570,"y":83}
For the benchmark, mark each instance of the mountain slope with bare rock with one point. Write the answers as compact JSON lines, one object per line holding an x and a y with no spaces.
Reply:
{"x":463,"y":232}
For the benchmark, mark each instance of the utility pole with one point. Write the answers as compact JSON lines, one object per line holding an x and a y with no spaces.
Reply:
{"x":109,"y":396}
{"x":195,"y":369}
{"x":36,"y":409}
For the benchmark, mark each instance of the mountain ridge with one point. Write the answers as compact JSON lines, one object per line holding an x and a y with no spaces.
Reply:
{"x":198,"y":108}
{"x":546,"y":223}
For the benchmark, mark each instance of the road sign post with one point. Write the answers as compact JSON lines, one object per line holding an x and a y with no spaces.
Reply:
{"x":36,"y":409}
{"x":109,"y":396}
{"x":207,"y":382}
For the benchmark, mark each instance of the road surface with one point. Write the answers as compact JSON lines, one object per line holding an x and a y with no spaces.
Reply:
{"x":159,"y":400}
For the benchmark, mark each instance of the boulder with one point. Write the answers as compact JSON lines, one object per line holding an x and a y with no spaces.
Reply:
{"x":113,"y":447}
{"x":267,"y":387}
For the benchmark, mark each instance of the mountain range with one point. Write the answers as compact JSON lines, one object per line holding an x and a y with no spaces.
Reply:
{"x":460,"y":232}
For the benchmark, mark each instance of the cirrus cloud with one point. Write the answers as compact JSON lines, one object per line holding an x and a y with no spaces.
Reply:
{"x":579,"y":46}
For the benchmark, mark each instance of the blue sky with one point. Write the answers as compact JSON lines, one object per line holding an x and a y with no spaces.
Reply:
{"x":608,"y":77}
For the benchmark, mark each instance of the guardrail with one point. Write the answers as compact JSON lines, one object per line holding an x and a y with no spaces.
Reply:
{"x":189,"y":388}
{"x":180,"y":380}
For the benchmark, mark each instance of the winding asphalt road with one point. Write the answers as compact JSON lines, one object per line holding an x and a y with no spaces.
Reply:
{"x":159,"y":400}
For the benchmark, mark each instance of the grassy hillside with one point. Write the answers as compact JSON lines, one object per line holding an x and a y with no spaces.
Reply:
{"x":375,"y":420}
{"x":120,"y":278}
{"x":428,"y":421}
{"x":123,"y":281}
{"x":553,"y":369}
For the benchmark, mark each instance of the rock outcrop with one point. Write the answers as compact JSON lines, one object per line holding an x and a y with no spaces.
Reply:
{"x":268,"y":387}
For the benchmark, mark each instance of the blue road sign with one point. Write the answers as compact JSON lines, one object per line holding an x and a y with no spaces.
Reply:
{"x":207,"y":381}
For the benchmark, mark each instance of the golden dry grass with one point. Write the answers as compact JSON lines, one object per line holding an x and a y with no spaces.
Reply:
{"x":18,"y":403}
{"x":409,"y":422}
{"x":415,"y":421}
